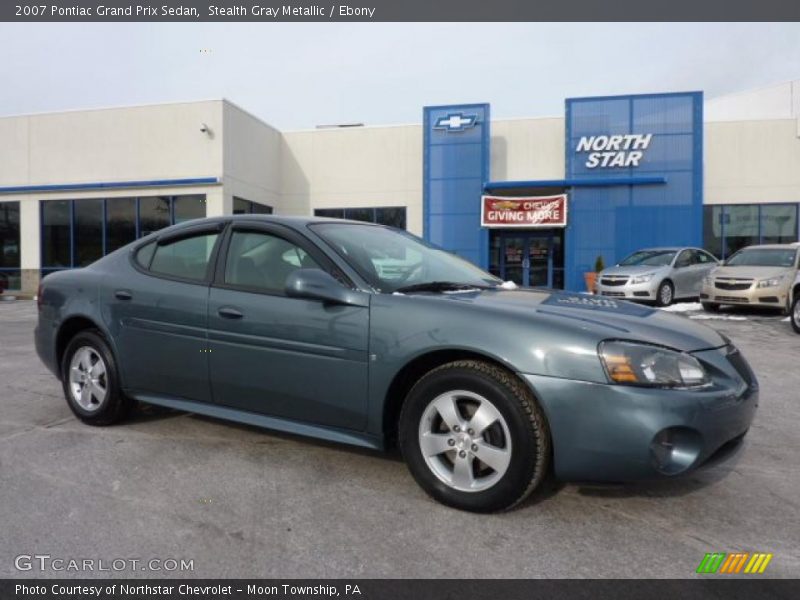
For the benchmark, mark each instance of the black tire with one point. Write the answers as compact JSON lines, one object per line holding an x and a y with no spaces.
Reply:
{"x":660,"y":294}
{"x":711,"y":307}
{"x":793,"y":315}
{"x":529,"y":444}
{"x":115,"y":406}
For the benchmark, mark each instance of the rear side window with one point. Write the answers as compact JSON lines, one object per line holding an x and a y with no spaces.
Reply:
{"x":186,"y":258}
{"x":145,"y":254}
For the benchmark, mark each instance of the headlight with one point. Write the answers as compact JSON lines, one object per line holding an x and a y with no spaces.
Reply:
{"x":642,"y":278}
{"x":630,"y":363}
{"x":764,"y":283}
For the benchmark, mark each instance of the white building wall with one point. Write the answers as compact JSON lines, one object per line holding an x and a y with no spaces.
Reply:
{"x":354,"y":167}
{"x":752,"y":161}
{"x":252,"y":160}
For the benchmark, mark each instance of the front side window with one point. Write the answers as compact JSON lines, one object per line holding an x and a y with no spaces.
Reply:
{"x":391,"y":260}
{"x":186,"y":258}
{"x":261,"y":261}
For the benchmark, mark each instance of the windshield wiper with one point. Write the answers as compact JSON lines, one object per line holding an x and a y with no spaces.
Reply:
{"x":440,"y":286}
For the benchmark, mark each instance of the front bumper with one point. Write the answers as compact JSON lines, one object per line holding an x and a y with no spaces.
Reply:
{"x":629,"y":291}
{"x":614,"y":433}
{"x":771,"y":297}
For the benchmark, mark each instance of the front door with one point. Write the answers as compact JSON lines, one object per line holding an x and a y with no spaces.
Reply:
{"x":528,"y":258}
{"x":276,"y":355}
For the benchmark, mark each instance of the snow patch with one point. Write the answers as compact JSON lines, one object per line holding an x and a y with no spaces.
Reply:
{"x":683,"y":307}
{"x":718,"y":317}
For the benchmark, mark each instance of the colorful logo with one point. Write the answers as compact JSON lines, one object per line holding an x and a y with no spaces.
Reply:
{"x":736,"y":562}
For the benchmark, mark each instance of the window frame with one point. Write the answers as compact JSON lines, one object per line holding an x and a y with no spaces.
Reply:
{"x":219,"y":228}
{"x":287,"y":234}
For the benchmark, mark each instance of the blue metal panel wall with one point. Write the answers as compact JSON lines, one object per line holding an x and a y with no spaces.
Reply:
{"x":455,"y":166}
{"x":614,"y":221}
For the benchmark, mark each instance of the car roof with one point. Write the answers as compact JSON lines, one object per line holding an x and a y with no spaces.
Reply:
{"x":791,"y":246}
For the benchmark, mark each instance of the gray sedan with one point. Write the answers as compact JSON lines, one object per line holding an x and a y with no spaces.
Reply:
{"x":660,"y":275}
{"x":367,"y":335}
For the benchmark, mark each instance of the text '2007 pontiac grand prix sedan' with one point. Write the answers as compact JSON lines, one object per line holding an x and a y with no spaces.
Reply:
{"x":364,"y":334}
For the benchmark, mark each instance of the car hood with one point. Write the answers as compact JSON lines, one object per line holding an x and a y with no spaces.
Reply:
{"x":597,"y":317}
{"x":750,"y":272}
{"x":631,"y":270}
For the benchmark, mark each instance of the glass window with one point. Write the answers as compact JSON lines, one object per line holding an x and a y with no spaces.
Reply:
{"x":360,"y":214}
{"x":330,"y":213}
{"x":703,"y":258}
{"x":263,"y":262}
{"x":190,"y":206}
{"x":392,"y":260}
{"x":763,"y":257}
{"x":186,"y":258}
{"x":241,"y":206}
{"x":650,"y":258}
{"x":154,"y":214}
{"x":741,"y":227}
{"x":88,"y":230}
{"x":145,"y":254}
{"x":9,"y":246}
{"x":120,"y":222}
{"x":393,"y":217}
{"x":778,"y":223}
{"x":684,"y":259}
{"x":56,"y":233}
{"x":260,"y":209}
{"x":9,"y":235}
{"x":712,"y":229}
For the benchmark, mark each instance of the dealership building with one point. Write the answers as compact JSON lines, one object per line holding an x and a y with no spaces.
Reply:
{"x":535,"y":200}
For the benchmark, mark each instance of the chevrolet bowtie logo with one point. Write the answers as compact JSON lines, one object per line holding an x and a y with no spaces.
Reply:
{"x":456,"y":122}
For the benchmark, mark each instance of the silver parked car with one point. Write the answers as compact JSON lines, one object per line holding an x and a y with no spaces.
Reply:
{"x":660,"y":275}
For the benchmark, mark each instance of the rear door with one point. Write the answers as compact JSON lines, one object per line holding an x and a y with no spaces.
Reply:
{"x":286,"y":357}
{"x":161,"y":315}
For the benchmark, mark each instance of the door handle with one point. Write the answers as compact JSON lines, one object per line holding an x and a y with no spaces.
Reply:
{"x":227,"y":312}
{"x":123,"y":294}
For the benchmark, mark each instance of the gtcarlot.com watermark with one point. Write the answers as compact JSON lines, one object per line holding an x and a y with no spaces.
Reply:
{"x":46,"y":562}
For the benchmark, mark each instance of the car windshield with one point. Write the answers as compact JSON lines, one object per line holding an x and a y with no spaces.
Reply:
{"x":392,"y":260}
{"x":763,"y":257}
{"x":650,"y":258}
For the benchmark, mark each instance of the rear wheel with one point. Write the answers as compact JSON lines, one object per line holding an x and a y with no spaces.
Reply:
{"x":90,"y":381}
{"x":711,"y":307}
{"x":474,"y":437}
{"x":794,"y":316}
{"x":665,"y":294}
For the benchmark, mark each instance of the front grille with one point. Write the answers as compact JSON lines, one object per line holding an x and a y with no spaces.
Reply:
{"x":614,"y":294}
{"x":613,"y":282}
{"x":732,"y":299}
{"x":734,"y":285}
{"x":740,"y":364}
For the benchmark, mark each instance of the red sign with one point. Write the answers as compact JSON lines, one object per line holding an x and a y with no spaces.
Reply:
{"x":530,"y":212}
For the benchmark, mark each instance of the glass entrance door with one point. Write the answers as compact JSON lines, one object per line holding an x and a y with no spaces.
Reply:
{"x":528,"y":258}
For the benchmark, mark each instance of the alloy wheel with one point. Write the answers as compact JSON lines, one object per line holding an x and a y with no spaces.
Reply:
{"x":666,"y":294}
{"x":465,"y":441}
{"x":88,"y":380}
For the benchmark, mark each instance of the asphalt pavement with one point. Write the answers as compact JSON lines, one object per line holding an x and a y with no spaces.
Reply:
{"x":241,"y":502}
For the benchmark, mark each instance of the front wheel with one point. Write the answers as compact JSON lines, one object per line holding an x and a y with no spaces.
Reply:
{"x":665,"y":294}
{"x":90,"y":381}
{"x":794,"y":316}
{"x":474,"y":437}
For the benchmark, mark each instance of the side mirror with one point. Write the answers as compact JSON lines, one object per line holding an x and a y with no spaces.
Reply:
{"x":316,"y":284}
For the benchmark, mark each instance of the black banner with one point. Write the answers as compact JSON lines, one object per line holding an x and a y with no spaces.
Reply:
{"x":397,"y":10}
{"x":733,"y":588}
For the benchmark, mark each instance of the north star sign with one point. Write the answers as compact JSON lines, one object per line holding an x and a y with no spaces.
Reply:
{"x":609,"y":151}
